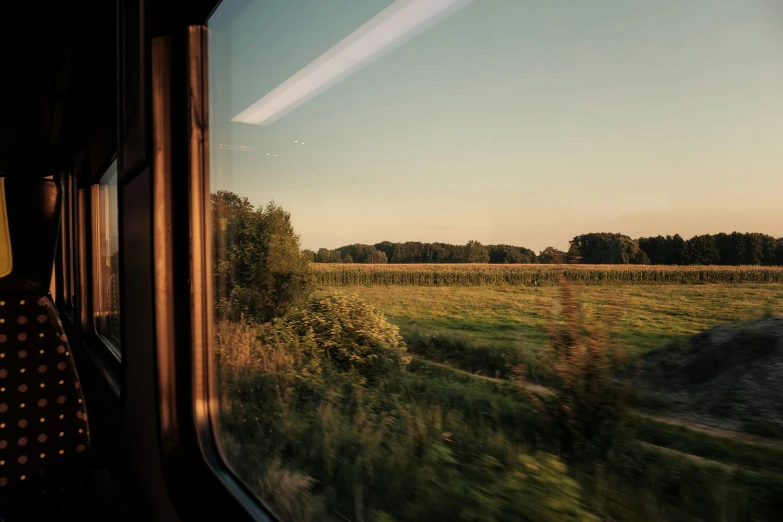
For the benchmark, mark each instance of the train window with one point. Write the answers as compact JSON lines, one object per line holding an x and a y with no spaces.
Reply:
{"x":419,"y":314}
{"x":105,"y":262}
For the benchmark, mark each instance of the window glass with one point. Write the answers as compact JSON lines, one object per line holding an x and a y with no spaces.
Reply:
{"x":499,"y":260}
{"x":106,"y":275}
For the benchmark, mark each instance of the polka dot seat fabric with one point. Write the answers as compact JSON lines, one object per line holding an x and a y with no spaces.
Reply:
{"x":44,"y":436}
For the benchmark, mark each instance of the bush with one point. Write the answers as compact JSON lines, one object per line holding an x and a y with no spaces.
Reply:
{"x":534,"y":488}
{"x":319,"y":418}
{"x":591,"y":404}
{"x":352,"y":335}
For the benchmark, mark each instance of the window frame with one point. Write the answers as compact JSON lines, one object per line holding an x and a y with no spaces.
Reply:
{"x":66,"y":271}
{"x":202,"y":485}
{"x":100,"y":199}
{"x":108,"y":361}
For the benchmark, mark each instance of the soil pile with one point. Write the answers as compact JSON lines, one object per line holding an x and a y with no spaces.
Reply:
{"x":733,"y":372}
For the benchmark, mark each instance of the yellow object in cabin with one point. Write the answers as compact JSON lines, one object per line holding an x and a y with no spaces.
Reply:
{"x":6,"y":256}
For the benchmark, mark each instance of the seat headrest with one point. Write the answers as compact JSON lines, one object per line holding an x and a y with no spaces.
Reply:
{"x":29,"y":227}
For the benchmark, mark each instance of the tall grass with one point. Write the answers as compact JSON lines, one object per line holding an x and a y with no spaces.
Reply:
{"x":728,"y":451}
{"x":322,"y":435}
{"x":538,"y":275}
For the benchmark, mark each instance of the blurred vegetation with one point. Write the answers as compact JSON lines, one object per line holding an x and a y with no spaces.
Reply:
{"x":327,"y":415}
{"x":321,"y":418}
{"x":587,"y":413}
{"x":764,"y":428}
{"x":322,"y":434}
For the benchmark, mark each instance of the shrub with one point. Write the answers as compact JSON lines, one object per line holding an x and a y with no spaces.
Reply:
{"x":529,"y":488}
{"x":352,"y":335}
{"x":591,"y":403}
{"x":315,"y":419}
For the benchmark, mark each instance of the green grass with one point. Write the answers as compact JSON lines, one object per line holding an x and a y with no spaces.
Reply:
{"x":764,"y":428}
{"x":733,"y":452}
{"x":642,"y":484}
{"x":434,"y":426}
{"x":483,"y":329}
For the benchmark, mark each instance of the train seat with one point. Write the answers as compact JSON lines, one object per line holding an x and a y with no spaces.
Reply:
{"x":44,"y":434}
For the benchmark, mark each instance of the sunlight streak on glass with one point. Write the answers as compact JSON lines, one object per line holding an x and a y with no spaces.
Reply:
{"x":396,"y":24}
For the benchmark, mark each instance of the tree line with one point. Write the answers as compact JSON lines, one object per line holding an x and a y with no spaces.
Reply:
{"x":598,"y":248}
{"x":417,"y":252}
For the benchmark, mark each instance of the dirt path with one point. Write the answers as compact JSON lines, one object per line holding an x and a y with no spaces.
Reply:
{"x":534,"y":388}
{"x":702,"y":428}
{"x":693,"y":458}
{"x":712,"y":430}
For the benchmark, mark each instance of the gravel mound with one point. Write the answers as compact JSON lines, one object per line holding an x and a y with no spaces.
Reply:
{"x":732,"y":371}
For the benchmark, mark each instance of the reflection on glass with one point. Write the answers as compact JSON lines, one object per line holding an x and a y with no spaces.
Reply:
{"x":106,"y":270}
{"x":499,"y":260}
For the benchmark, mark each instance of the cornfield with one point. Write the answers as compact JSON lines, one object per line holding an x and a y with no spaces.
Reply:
{"x":538,"y":275}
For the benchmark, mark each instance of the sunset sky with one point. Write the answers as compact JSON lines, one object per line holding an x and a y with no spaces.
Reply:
{"x":522,"y":122}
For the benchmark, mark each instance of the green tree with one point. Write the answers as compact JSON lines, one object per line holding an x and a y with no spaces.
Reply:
{"x":308,"y":255}
{"x":606,"y":248}
{"x":475,"y":252}
{"x":370,"y":254}
{"x":260,"y":271}
{"x":388,"y":248}
{"x":508,"y":254}
{"x":701,"y":250}
{"x":348,"y":259}
{"x":360,"y":253}
{"x":551,"y":256}
{"x":731,"y":248}
{"x":769,"y":250}
{"x":324,"y":255}
{"x":623,"y":251}
{"x":675,"y":250}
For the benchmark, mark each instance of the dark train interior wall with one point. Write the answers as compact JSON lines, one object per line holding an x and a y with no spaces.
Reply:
{"x":79,"y":73}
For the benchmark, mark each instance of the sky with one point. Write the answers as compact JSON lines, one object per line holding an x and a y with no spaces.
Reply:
{"x":521,"y":122}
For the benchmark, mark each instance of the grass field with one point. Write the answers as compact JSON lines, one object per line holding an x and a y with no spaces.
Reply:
{"x":480,"y":329}
{"x":484,"y":329}
{"x":442,"y":437}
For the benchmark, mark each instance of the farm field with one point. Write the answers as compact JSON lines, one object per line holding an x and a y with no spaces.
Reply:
{"x":537,"y":275}
{"x":465,"y":340}
{"x":503,"y":324}
{"x":446,"y":411}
